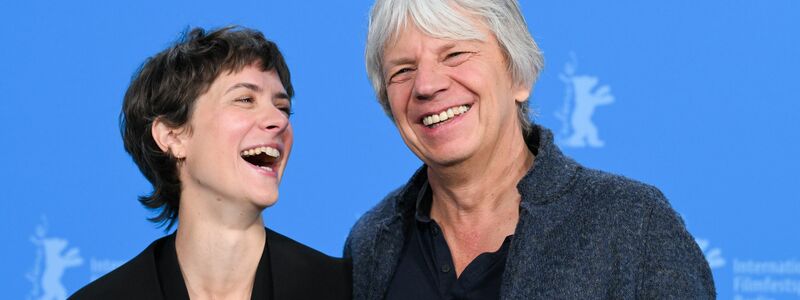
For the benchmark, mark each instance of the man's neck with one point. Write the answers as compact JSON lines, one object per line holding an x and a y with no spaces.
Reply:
{"x":477,"y":203}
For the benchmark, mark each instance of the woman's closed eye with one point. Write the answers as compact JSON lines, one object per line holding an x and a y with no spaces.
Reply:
{"x":287,"y":110}
{"x":245,"y":99}
{"x":284,"y":105}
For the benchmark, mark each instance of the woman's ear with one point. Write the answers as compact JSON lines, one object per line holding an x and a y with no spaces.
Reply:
{"x":170,"y":139}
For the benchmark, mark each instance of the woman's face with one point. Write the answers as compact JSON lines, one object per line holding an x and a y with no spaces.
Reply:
{"x":238,"y":140}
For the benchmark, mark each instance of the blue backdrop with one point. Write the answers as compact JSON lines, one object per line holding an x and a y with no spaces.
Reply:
{"x":699,"y":98}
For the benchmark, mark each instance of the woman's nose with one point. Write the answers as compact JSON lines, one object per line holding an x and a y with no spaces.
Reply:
{"x":274,"y":119}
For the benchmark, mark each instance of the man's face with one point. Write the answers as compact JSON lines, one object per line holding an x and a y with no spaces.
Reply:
{"x":240,"y":138}
{"x":452,"y":101}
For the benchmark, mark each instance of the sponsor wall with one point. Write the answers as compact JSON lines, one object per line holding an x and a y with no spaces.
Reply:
{"x":697,"y":98}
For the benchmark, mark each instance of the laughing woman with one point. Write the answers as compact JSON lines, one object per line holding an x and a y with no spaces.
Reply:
{"x":207,"y":122}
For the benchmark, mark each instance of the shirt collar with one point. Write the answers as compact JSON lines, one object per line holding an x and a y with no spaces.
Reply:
{"x":424,"y":202}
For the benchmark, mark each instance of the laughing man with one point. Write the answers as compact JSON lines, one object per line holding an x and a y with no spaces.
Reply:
{"x":497,"y":211}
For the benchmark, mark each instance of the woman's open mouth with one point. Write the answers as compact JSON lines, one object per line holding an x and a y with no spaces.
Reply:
{"x":265,"y":158}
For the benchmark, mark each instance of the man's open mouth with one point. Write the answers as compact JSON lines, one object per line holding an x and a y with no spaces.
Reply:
{"x":444,"y":116}
{"x":263,"y":157}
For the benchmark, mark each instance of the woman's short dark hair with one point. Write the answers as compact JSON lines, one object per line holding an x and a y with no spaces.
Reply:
{"x":166,"y":87}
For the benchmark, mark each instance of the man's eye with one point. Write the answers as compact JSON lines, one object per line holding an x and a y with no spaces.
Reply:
{"x":456,"y":58}
{"x":403,"y":70}
{"x":401,"y":74}
{"x":455,"y":54}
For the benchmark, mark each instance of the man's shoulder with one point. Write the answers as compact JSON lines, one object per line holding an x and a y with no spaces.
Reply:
{"x":671,"y":263}
{"x":363,"y":233}
{"x":374,"y":242}
{"x":627,"y":207}
{"x":609,"y":189}
{"x":135,"y":279}
{"x":372,"y":220}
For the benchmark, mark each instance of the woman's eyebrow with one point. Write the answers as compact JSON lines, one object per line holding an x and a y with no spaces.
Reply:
{"x":245,"y":85}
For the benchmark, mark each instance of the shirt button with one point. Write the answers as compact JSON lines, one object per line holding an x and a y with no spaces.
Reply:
{"x":434,"y":230}
{"x":445,"y":268}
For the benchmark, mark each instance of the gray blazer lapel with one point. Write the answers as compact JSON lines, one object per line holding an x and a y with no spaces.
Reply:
{"x":543,"y":210}
{"x":388,"y":246}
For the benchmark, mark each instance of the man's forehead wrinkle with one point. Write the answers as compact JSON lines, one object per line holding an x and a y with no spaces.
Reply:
{"x":451,"y":39}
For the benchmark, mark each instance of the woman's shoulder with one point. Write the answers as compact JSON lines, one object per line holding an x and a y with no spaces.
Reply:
{"x":136,"y":279}
{"x":287,"y":250}
{"x":301,"y":270}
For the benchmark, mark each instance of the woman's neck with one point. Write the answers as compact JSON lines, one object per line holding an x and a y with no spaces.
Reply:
{"x":218,"y":256}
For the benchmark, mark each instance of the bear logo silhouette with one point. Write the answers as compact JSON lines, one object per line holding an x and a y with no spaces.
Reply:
{"x":582,"y":97}
{"x":46,"y":279}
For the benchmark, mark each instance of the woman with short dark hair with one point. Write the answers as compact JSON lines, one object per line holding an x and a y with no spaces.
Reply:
{"x":207,"y":122}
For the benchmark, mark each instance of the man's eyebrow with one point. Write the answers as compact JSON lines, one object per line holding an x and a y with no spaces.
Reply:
{"x":399,"y":61}
{"x":281,"y":95}
{"x":445,"y":47}
{"x":244,"y":85}
{"x":407,"y":60}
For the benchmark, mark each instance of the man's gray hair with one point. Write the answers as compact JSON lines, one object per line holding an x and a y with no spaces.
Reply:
{"x":450,"y":19}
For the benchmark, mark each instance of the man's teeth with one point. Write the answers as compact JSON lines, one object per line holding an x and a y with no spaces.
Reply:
{"x":266,"y":150}
{"x":265,"y":168}
{"x":444,"y":115}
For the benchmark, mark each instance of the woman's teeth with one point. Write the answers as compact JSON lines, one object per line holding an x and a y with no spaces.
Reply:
{"x":266,"y":150}
{"x":444,"y":115}
{"x":262,"y":157}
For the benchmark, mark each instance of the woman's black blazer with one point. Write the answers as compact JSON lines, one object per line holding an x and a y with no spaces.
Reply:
{"x":298,"y":272}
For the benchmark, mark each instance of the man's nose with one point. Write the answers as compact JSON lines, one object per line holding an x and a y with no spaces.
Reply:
{"x":430,"y":80}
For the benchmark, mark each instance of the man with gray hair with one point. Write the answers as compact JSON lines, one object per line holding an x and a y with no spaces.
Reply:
{"x":497,"y":211}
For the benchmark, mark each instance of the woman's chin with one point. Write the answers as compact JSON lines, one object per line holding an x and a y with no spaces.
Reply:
{"x":266,"y":200}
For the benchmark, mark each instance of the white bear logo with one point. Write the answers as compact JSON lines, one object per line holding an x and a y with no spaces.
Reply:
{"x":713,"y":255}
{"x":581,"y":98}
{"x":47,"y":281}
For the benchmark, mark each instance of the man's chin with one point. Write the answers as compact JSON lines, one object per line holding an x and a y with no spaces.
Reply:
{"x":445,"y":160}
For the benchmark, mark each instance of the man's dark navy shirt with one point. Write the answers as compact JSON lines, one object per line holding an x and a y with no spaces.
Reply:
{"x":426,"y":267}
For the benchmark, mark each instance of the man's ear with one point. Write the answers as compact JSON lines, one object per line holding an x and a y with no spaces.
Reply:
{"x":522,"y":92}
{"x":170,"y":139}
